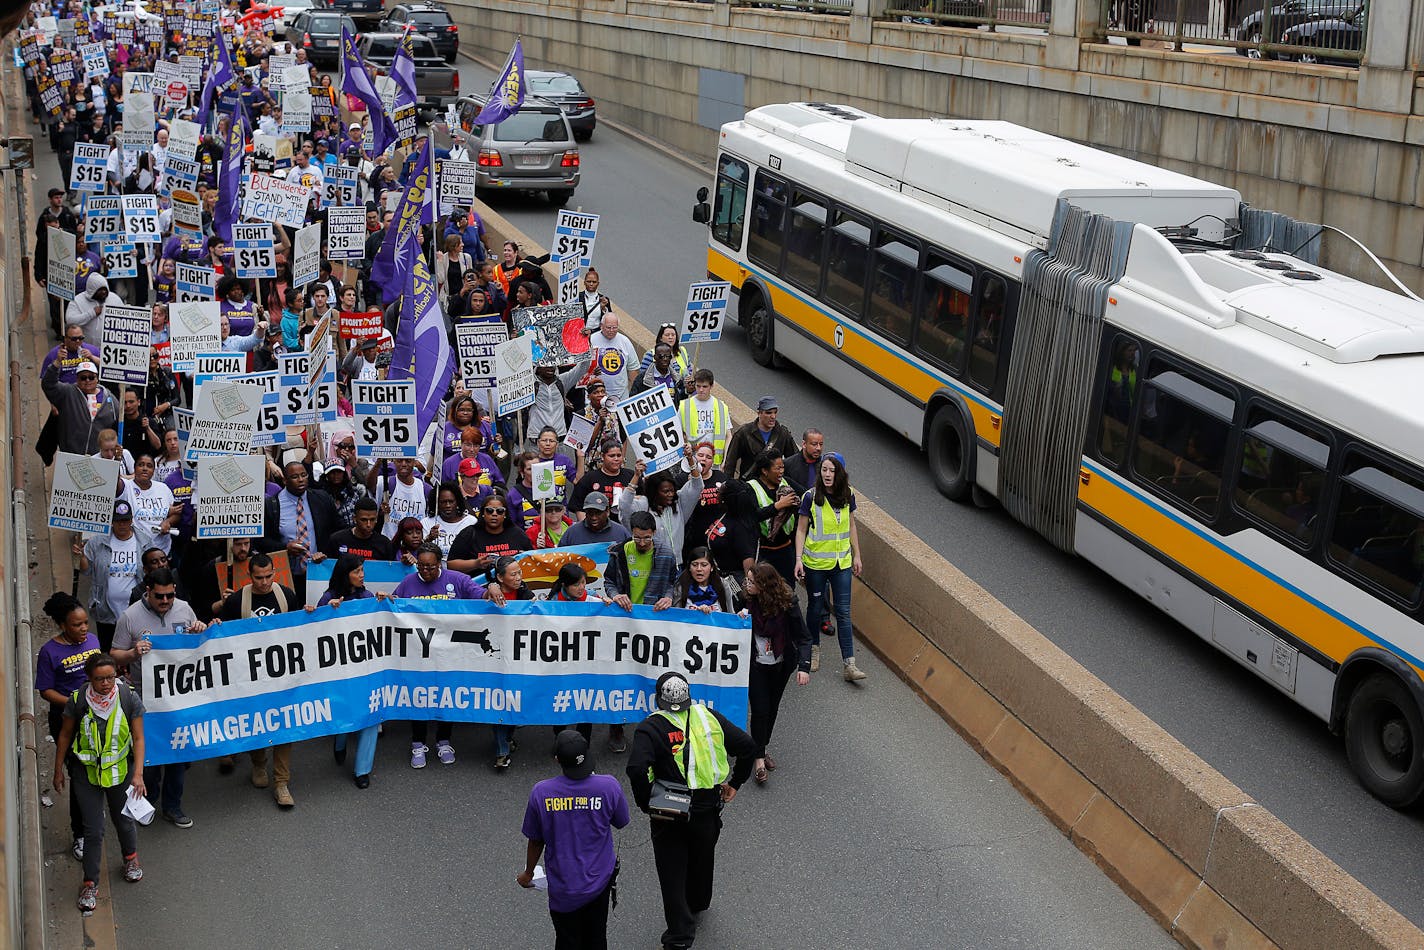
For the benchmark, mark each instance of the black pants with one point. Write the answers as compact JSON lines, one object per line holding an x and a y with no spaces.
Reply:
{"x":784,"y":560}
{"x":685,"y":853}
{"x":583,"y":929}
{"x":105,"y":633}
{"x":48,"y":442}
{"x":584,"y":729}
{"x":76,"y":817}
{"x":420,"y":730}
{"x":765,"y":686}
{"x":56,"y":315}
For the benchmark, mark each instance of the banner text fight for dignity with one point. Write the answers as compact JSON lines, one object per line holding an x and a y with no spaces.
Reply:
{"x":294,"y":676}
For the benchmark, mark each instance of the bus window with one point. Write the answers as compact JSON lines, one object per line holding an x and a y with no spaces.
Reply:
{"x":846,"y":256}
{"x":768,"y":222}
{"x":988,"y":330}
{"x":729,"y":214}
{"x":892,"y":288}
{"x":804,"y":239}
{"x":1281,"y":474}
{"x":1121,"y":389}
{"x":944,"y":312}
{"x":1182,"y":434}
{"x":1378,"y":533}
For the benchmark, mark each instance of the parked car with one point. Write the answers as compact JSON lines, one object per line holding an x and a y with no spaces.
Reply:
{"x":290,"y":12}
{"x":319,"y":33}
{"x":1286,"y":15}
{"x":532,"y":150}
{"x":361,"y":9}
{"x":568,"y":94}
{"x":437,"y":83}
{"x":1325,"y":37}
{"x":428,"y":20}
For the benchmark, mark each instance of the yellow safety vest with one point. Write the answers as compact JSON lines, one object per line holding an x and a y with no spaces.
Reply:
{"x":106,"y":757}
{"x":827,"y":537}
{"x":721,"y":424}
{"x":764,"y":499}
{"x":706,"y":761}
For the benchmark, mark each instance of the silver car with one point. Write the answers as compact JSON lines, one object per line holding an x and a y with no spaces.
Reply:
{"x":532,"y":150}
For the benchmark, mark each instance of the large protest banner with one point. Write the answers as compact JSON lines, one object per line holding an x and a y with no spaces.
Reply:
{"x":83,"y":496}
{"x":284,"y":678}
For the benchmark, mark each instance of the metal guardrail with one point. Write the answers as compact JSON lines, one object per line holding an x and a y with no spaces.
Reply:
{"x":1307,"y":31}
{"x":1033,"y":14}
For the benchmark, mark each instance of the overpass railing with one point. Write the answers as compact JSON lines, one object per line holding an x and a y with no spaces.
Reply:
{"x":967,"y":13}
{"x":1308,"y":31}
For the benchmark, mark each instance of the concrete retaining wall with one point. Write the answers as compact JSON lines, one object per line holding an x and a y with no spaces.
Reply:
{"x":1321,"y":143}
{"x":1210,"y":865}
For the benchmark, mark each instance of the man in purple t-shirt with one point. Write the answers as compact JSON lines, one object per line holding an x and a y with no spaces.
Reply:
{"x":572,"y":817}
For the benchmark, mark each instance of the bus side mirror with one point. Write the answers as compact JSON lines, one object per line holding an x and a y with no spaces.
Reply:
{"x":702,"y":212}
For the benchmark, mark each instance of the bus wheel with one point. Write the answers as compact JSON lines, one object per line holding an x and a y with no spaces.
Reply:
{"x":947,"y":446}
{"x":760,"y":329}
{"x":1384,"y":739}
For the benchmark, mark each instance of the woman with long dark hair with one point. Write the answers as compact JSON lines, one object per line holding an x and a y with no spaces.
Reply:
{"x":780,"y":645}
{"x":700,"y":587}
{"x":827,"y":555}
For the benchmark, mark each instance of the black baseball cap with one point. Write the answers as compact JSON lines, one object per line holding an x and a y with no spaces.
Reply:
{"x":571,"y":749}
{"x":674,"y":695}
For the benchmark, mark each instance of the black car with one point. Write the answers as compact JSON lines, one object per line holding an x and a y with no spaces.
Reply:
{"x":428,"y":20}
{"x":1325,"y":37}
{"x":568,"y":94}
{"x":319,"y":33}
{"x":1286,"y":15}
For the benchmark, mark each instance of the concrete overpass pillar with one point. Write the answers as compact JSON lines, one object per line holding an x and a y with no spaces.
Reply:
{"x":863,"y":14}
{"x":722,"y":12}
{"x":1387,"y":72}
{"x":1072,"y":23}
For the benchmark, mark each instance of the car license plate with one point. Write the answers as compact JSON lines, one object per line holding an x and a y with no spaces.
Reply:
{"x":570,"y":110}
{"x":531,"y":161}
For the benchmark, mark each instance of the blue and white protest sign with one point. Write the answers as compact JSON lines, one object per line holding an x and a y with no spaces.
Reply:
{"x":296,"y":410}
{"x":91,"y":160}
{"x":269,"y":430}
{"x":194,"y":328}
{"x":103,"y":218}
{"x":572,"y":250}
{"x":254,"y":250}
{"x":120,"y":259}
{"x":288,"y":677}
{"x":218,"y":364}
{"x":128,"y":339}
{"x":339,"y":186}
{"x":232,"y":497}
{"x":706,"y":312}
{"x":651,"y":423}
{"x":96,"y":60}
{"x":179,"y":174}
{"x":195,"y":283}
{"x":514,"y":373}
{"x":385,"y":418}
{"x":141,"y":219}
{"x":83,"y":495}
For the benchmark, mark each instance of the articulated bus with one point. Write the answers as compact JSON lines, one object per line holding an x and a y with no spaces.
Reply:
{"x":1231,"y":431}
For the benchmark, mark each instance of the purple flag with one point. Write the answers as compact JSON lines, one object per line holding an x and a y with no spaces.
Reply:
{"x":356,"y":82}
{"x":403,"y":108}
{"x":422,"y":348}
{"x":507,"y":93}
{"x":225,"y":214}
{"x":391,"y":269}
{"x":223,"y":76}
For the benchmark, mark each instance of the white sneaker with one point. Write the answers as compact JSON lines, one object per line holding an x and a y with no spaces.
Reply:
{"x":417,"y":754}
{"x":78,"y":849}
{"x":852,"y":673}
{"x":444,"y":752}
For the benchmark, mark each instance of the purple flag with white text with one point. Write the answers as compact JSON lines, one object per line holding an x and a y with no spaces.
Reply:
{"x":229,"y":205}
{"x":507,"y":93}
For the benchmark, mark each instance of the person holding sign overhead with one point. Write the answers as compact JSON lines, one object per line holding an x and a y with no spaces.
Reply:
{"x":670,"y":506}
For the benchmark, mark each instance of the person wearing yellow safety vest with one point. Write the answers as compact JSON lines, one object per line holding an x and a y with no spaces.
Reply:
{"x":692,"y":745}
{"x":776,"y":503}
{"x":705,"y":417}
{"x":827,"y":554}
{"x":102,"y":731}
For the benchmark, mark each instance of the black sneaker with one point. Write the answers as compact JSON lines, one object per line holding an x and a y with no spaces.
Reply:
{"x":178,"y":819}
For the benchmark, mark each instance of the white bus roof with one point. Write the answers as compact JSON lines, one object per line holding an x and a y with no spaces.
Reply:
{"x":1006,"y":176}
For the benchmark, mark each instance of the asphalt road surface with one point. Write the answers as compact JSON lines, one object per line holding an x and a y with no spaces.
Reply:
{"x":647,"y":252}
{"x":880,"y":829}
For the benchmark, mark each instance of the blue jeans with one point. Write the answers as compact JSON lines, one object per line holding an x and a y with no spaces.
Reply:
{"x":502,"y":735}
{"x":365,"y":748}
{"x":164,"y":784}
{"x":836,"y":581}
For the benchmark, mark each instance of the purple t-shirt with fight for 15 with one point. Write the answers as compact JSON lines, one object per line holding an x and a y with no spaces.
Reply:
{"x":450,"y":585}
{"x":572,"y":817}
{"x":61,"y":664}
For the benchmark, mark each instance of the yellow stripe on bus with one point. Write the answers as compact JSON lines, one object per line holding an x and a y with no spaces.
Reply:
{"x":1218,"y":567}
{"x":874,"y":359}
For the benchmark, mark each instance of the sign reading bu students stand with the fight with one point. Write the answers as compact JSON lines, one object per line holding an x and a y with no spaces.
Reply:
{"x":223,"y":419}
{"x":514,"y":374}
{"x":650,"y":420}
{"x":275,"y":200}
{"x":83,"y":496}
{"x":385,"y":418}
{"x":285,"y":678}
{"x":254,"y":251}
{"x":128,"y":336}
{"x":232,"y":498}
{"x":706,"y":312}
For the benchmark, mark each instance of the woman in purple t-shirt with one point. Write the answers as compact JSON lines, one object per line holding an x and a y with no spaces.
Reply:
{"x":59,"y":671}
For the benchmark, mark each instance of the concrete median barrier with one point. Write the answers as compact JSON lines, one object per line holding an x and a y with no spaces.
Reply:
{"x":1211,"y":865}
